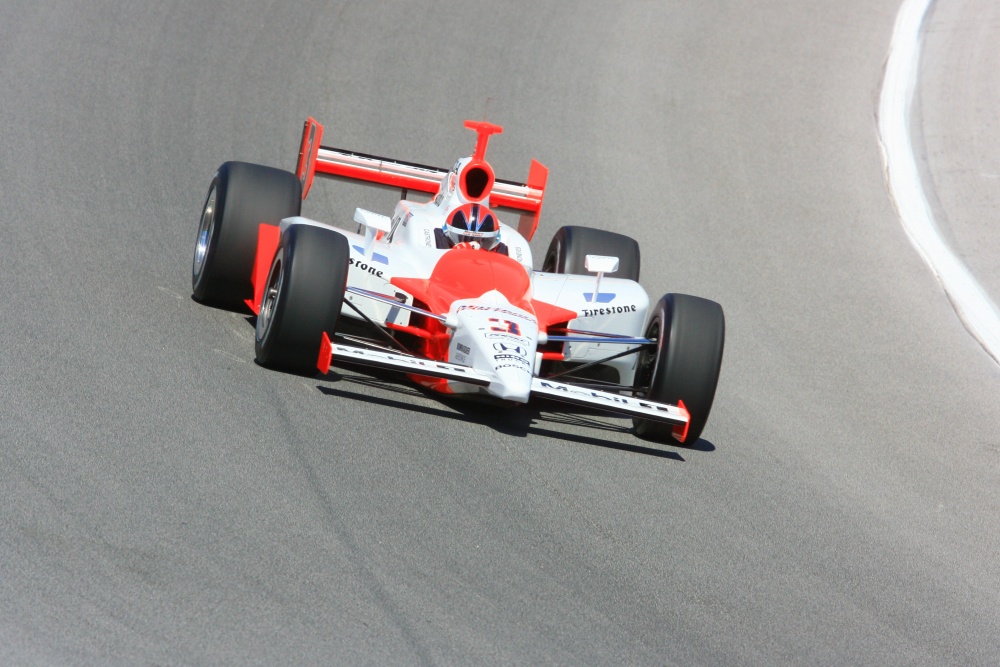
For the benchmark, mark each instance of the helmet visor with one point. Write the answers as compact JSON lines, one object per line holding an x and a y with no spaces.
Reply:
{"x":473,"y":222}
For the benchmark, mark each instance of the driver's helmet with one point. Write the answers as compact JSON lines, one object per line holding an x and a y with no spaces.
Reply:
{"x":473,"y":223}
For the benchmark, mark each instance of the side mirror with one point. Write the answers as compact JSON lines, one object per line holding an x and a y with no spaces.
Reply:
{"x":375,"y":225}
{"x":599,"y":264}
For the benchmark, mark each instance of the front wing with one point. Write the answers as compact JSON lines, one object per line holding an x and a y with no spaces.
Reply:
{"x":676,"y":415}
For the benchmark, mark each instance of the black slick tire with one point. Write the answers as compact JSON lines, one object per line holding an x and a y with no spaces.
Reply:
{"x":303,"y":297}
{"x":685,"y":363}
{"x":571,"y":245}
{"x":240,"y":197}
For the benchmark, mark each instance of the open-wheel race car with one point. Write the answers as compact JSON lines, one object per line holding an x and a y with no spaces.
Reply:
{"x":446,"y":293}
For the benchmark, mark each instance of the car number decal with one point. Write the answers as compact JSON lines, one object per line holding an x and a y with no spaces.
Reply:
{"x":505,"y":326}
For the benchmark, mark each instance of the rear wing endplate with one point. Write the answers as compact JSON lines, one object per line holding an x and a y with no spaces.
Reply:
{"x":316,"y":159}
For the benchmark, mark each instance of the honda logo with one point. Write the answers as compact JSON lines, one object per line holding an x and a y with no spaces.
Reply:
{"x":513,"y":349}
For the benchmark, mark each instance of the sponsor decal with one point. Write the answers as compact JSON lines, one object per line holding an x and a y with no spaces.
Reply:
{"x":518,"y":253}
{"x":513,"y":349}
{"x":460,"y":358}
{"x":511,"y":358}
{"x":409,"y":361}
{"x":464,"y":349}
{"x":376,"y":257}
{"x":428,"y":238}
{"x":611,"y":310}
{"x":501,"y":311}
{"x":517,"y":367}
{"x":503,"y":336}
{"x":364,"y":266}
{"x":610,"y":398}
{"x":602,"y":297}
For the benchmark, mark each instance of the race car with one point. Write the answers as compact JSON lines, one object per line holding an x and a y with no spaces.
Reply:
{"x":446,"y":292}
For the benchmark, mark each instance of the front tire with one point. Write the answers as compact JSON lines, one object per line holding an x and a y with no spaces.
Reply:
{"x":303,"y":297}
{"x":241,"y":196}
{"x":690,"y":334}
{"x":571,"y":245}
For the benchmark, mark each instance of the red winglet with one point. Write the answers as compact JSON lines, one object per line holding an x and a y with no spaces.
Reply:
{"x":325,"y":354}
{"x":312,"y":134}
{"x":268,"y":237}
{"x":681,"y":432}
{"x":538,"y":174}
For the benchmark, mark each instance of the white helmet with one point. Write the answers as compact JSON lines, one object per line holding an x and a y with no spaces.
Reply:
{"x":473,"y":223}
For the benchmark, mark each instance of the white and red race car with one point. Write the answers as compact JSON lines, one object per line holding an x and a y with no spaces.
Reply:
{"x":445,"y":292}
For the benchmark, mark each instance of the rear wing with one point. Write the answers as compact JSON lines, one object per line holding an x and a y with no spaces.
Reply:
{"x":316,"y":159}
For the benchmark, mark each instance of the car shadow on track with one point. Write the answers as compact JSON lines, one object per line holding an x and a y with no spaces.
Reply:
{"x":517,"y":421}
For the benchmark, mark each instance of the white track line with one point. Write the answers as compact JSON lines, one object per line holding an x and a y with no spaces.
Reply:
{"x":973,"y":305}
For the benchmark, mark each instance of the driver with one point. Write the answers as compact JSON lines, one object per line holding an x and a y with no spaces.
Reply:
{"x":470,"y":226}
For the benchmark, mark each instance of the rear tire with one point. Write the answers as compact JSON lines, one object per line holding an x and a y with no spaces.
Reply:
{"x":303,"y":296}
{"x":690,"y":334}
{"x":571,"y":245}
{"x":241,"y":196}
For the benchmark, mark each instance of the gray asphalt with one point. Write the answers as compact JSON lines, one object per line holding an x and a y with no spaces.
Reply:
{"x":163,"y":500}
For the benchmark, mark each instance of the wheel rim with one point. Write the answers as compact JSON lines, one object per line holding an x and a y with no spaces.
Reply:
{"x":647,"y":362}
{"x":206,"y":229}
{"x":270,"y":300}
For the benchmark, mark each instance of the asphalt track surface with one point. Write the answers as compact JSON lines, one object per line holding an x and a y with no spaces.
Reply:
{"x":163,"y":500}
